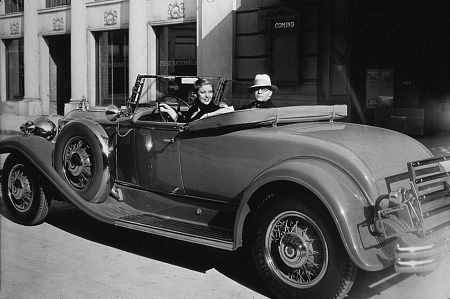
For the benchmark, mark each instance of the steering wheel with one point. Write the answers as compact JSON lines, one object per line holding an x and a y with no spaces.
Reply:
{"x":176,"y":103}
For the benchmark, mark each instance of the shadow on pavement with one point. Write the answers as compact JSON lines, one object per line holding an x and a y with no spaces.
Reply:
{"x":372,"y":284}
{"x":234,"y":265}
{"x":195,"y":257}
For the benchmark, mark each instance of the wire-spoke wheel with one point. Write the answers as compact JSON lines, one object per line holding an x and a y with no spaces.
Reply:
{"x":298,"y":252}
{"x":79,"y":160}
{"x":22,"y":194}
{"x":78,"y":163}
{"x":296,"y":249}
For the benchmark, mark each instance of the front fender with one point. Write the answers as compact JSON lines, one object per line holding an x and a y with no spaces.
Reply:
{"x":340,"y":194}
{"x":38,"y":151}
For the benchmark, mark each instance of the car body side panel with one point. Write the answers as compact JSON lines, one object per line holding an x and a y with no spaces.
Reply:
{"x":221,"y":166}
{"x":342,"y":197}
{"x":148,"y":157}
{"x":157,"y":160}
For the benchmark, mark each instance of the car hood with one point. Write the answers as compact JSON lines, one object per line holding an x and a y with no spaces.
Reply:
{"x":385,"y":152}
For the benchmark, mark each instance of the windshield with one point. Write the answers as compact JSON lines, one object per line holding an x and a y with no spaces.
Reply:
{"x":152,"y":89}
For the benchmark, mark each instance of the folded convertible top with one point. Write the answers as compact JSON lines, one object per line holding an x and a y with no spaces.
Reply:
{"x":273,"y":116}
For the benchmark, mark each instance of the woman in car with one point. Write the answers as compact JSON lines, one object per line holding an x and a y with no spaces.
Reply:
{"x":204,"y":104}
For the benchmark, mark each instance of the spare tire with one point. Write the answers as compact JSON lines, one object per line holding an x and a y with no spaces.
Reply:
{"x":79,"y":159}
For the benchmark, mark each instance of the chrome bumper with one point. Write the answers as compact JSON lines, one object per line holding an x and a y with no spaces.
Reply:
{"x":421,"y":258}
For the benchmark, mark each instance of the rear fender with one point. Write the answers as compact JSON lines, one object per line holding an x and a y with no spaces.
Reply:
{"x":342,"y":197}
{"x":38,"y":151}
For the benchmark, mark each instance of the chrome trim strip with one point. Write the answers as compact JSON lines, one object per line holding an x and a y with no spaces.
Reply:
{"x":416,"y":259}
{"x":437,"y":228}
{"x":436,"y":211}
{"x":176,"y":235}
{"x":430,"y":161}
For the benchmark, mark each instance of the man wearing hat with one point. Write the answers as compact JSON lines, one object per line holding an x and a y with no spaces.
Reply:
{"x":262,"y":88}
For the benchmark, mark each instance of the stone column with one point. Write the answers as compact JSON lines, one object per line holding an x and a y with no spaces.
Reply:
{"x":78,"y":54}
{"x":2,"y":72}
{"x":45,"y":77}
{"x":2,"y":65}
{"x":31,"y":104}
{"x":215,"y":35}
{"x":138,"y":51}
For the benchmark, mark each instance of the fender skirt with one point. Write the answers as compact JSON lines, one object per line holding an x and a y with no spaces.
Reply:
{"x":38,"y":151}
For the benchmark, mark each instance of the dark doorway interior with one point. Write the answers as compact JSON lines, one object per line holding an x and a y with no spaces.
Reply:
{"x":409,"y":37}
{"x":60,"y":87}
{"x":177,"y":50}
{"x":112,"y":67}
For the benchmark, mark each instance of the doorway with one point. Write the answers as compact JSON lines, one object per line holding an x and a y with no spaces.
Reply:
{"x":59,"y":72}
{"x":177,"y":49}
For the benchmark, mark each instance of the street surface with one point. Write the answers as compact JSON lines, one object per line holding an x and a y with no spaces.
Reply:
{"x":74,"y":256}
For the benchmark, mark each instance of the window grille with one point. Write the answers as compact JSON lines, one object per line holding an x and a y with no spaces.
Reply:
{"x":12,"y":6}
{"x":53,"y":3}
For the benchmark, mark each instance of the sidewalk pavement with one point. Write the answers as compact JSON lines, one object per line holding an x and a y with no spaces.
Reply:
{"x":437,"y":142}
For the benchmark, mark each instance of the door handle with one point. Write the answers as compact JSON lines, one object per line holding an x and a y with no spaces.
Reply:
{"x":171,"y":140}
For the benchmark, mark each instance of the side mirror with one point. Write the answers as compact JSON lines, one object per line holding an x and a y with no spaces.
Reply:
{"x":113,"y":113}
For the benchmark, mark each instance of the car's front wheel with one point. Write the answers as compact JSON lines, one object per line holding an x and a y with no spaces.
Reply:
{"x":298,"y":253}
{"x":23,"y":195}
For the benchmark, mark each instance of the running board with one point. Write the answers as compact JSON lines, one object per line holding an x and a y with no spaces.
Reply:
{"x":194,"y":233}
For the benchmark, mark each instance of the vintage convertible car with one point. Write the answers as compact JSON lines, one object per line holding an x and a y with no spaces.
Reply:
{"x":311,"y":197}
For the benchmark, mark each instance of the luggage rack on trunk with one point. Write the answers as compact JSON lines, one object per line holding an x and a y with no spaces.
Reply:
{"x":425,"y":206}
{"x":431,"y":187}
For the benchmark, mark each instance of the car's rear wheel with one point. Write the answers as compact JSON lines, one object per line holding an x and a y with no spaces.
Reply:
{"x":79,"y":160}
{"x":298,"y":253}
{"x":23,"y":194}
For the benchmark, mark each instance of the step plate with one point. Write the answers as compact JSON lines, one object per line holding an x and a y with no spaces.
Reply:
{"x":214,"y":237}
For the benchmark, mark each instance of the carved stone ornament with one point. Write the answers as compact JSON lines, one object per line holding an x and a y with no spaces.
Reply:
{"x":58,"y":24}
{"x":14,"y":28}
{"x":110,"y":17}
{"x":176,"y":11}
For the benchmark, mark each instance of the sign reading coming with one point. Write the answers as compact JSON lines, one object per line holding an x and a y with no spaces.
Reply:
{"x":284,"y":25}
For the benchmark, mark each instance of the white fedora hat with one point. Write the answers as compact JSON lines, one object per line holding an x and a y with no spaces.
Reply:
{"x":263,"y":80}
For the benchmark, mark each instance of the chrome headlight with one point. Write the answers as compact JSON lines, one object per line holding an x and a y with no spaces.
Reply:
{"x":42,"y":127}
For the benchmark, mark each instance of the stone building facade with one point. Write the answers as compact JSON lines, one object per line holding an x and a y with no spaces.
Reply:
{"x":55,"y":52}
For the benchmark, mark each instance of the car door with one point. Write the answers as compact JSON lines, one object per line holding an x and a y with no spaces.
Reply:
{"x":148,"y":156}
{"x":219,"y":167}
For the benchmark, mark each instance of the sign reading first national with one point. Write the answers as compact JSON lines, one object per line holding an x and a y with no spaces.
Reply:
{"x":284,"y":25}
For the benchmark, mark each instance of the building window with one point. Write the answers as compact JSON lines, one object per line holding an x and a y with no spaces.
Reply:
{"x":12,"y":6}
{"x":14,"y":69}
{"x":53,"y":3}
{"x":112,"y":67}
{"x":177,"y":49}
